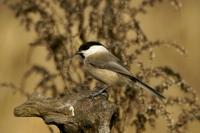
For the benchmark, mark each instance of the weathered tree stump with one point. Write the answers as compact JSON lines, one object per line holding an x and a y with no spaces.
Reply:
{"x":74,"y":112}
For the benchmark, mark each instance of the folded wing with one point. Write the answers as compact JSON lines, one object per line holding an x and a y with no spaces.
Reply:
{"x":110,"y":62}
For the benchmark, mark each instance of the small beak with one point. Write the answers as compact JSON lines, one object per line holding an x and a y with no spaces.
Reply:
{"x":77,"y":53}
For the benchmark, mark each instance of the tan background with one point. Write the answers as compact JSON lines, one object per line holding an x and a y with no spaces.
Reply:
{"x":162,"y":22}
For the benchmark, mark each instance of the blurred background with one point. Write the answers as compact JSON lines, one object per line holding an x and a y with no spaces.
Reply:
{"x":162,"y":22}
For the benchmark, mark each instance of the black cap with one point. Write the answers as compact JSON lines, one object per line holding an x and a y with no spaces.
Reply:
{"x":87,"y":45}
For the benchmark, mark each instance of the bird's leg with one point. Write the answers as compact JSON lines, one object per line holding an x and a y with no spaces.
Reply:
{"x":99,"y":92}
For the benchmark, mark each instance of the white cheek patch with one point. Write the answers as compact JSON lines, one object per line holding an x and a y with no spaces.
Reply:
{"x":94,"y":49}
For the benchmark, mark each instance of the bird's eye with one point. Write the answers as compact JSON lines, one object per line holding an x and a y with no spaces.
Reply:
{"x":85,"y":47}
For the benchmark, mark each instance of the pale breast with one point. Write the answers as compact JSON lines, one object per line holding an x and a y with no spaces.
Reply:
{"x":106,"y":76}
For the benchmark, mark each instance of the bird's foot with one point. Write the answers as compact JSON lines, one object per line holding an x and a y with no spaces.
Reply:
{"x":98,"y":92}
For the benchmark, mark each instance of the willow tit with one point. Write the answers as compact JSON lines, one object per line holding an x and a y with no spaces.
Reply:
{"x":105,"y":67}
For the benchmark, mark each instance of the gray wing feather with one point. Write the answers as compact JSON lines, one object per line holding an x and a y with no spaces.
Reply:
{"x":108,"y":61}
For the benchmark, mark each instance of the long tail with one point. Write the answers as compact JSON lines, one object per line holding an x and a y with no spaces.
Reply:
{"x":147,"y":87}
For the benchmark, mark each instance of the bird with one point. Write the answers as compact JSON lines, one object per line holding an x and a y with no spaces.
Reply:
{"x":105,"y":67}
